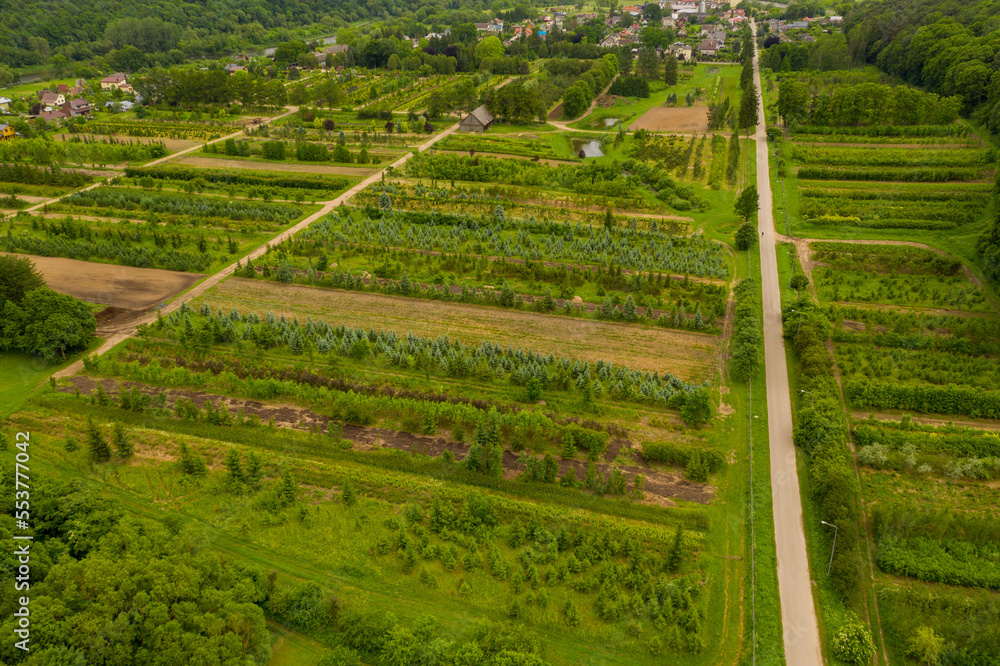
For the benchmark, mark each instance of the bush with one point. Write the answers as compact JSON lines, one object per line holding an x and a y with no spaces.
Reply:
{"x":853,"y":642}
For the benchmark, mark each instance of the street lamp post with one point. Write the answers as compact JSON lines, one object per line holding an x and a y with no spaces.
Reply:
{"x":835,"y":530}
{"x":812,"y":398}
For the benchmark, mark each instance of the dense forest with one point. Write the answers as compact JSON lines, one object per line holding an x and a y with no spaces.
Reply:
{"x":31,"y":31}
{"x":948,"y":48}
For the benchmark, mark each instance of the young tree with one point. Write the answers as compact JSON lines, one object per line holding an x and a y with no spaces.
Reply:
{"x":349,"y":494}
{"x":99,"y":450}
{"x":234,"y":467}
{"x":123,"y":443}
{"x":288,"y":493}
{"x":697,"y":409}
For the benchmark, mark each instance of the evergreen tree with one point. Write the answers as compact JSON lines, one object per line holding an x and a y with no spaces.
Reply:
{"x":670,"y":70}
{"x":255,"y":469}
{"x":507,"y":295}
{"x":349,"y":494}
{"x":629,"y":312}
{"x":405,"y":286}
{"x":99,"y":450}
{"x":288,"y":493}
{"x":676,"y":553}
{"x":234,"y":467}
{"x":569,"y":447}
{"x":123,"y":443}
{"x":609,"y":220}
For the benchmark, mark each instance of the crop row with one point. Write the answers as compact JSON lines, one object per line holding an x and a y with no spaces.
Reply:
{"x":160,"y":129}
{"x":955,"y":292}
{"x":964,"y":442}
{"x":906,"y":365}
{"x":180,"y":204}
{"x":22,"y":173}
{"x":126,"y":254}
{"x":906,"y":175}
{"x":528,"y":239}
{"x":890,"y":157}
{"x":39,"y":151}
{"x":893,"y":258}
{"x":240,"y":177}
{"x":953,"y":212}
{"x":440,"y":355}
{"x":618,"y":178}
{"x":926,"y":398}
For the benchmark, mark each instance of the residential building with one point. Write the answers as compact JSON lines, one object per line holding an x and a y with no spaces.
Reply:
{"x":681,"y":50}
{"x":709,"y":47}
{"x":5,"y":103}
{"x":113,"y":82}
{"x":54,"y":115}
{"x":479,"y":120}
{"x":77,"y":107}
{"x":49,"y":98}
{"x":6,"y":131}
{"x":232,"y":68}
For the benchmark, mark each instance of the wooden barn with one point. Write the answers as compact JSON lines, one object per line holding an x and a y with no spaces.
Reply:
{"x":478,"y":121}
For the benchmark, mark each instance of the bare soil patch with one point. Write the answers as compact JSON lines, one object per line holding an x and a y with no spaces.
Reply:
{"x":662,"y":487}
{"x":673,"y":119}
{"x":123,"y":287}
{"x":688,"y":355}
{"x":215,"y":162}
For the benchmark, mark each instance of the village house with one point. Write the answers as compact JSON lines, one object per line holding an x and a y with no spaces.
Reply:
{"x":709,"y":47}
{"x":232,"y":68}
{"x":77,"y":107}
{"x":479,"y":120}
{"x":681,"y":50}
{"x":53,"y":115}
{"x":7,"y":131}
{"x":49,"y":98}
{"x":113,"y":81}
{"x":5,"y":103}
{"x":494,"y":26}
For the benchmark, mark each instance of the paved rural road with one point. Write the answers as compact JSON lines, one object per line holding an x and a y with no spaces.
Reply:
{"x":798,"y":614}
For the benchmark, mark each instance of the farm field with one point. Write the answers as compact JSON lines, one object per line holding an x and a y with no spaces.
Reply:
{"x":588,"y":340}
{"x":120,"y":286}
{"x":453,"y":389}
{"x":900,"y":324}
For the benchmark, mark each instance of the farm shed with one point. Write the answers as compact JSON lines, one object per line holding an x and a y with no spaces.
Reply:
{"x":478,"y":121}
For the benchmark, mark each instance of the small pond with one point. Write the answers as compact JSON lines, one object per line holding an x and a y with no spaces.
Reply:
{"x":589,"y":147}
{"x":609,"y":122}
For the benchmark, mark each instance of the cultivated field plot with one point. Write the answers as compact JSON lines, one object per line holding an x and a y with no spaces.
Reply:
{"x":171,"y":144}
{"x":150,"y":228}
{"x":899,"y":275}
{"x":317,"y":168}
{"x":119,"y":286}
{"x":872,"y":185}
{"x":688,"y":355}
{"x":691,"y":120}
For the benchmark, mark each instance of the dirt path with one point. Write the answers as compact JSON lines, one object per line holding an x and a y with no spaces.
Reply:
{"x":662,"y":487}
{"x":938,"y":422}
